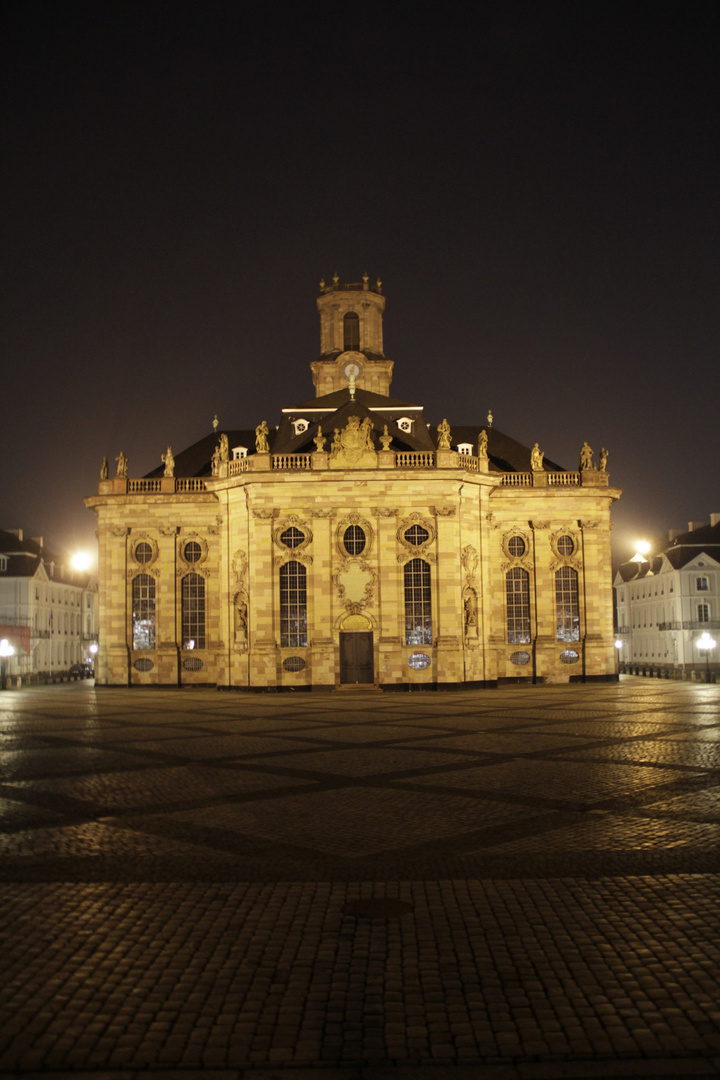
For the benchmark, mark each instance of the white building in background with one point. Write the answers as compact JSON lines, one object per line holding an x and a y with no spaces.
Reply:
{"x":48,"y":611}
{"x":665,"y":603}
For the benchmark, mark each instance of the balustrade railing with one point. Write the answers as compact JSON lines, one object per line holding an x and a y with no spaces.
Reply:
{"x":139,"y":487}
{"x":690,"y":624}
{"x":420,"y":459}
{"x":403,"y":459}
{"x":292,"y":461}
{"x":190,"y":483}
{"x":516,"y":479}
{"x":564,"y":479}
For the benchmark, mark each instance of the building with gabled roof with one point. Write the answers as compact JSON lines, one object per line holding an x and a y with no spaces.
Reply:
{"x":357,"y":543}
{"x":48,"y":611}
{"x":666,"y":603}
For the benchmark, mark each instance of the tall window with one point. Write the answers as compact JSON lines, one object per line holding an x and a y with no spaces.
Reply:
{"x":702,"y":584}
{"x":517,"y":591}
{"x":567,"y":604}
{"x":351,"y":332}
{"x":193,"y":612}
{"x":143,"y":612}
{"x":293,"y":605}
{"x":703,"y":613}
{"x":418,"y":616}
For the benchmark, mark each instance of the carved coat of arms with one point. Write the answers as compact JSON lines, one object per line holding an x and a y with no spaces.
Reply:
{"x":352,"y":447}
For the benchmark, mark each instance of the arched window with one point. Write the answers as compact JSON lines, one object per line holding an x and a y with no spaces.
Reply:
{"x":517,"y":592}
{"x":418,"y":615}
{"x":293,"y":605}
{"x":143,"y":612}
{"x":193,"y":611}
{"x":567,"y":604}
{"x":351,"y":332}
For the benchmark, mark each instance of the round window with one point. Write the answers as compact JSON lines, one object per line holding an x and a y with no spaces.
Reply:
{"x":292,"y":537}
{"x":143,"y":553}
{"x":569,"y":656}
{"x":516,"y":546}
{"x":419,"y":661}
{"x":192,"y":551}
{"x":354,"y":540}
{"x":192,"y":663}
{"x":520,"y":658}
{"x":416,"y":535}
{"x":293,"y":663}
{"x":143,"y":663}
{"x":565,"y":545}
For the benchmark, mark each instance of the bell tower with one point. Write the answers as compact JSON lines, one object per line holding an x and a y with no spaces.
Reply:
{"x":351,"y":338}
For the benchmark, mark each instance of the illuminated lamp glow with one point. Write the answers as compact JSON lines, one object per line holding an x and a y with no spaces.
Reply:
{"x":81,"y":561}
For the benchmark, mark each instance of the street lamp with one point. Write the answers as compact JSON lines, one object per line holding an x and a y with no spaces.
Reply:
{"x":706,"y":644}
{"x":6,"y":651}
{"x":93,"y":652}
{"x":618,"y":643}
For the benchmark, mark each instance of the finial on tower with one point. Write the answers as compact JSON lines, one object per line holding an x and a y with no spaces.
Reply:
{"x":216,"y":423}
{"x":322,"y":282}
{"x":489,"y":417}
{"x":335,"y":279}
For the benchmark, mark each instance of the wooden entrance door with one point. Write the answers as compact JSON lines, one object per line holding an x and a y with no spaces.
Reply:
{"x":356,"y":658}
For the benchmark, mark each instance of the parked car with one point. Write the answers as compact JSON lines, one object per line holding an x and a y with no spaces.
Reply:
{"x":81,"y":671}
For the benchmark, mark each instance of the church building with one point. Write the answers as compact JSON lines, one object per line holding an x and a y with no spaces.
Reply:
{"x":355,"y":544}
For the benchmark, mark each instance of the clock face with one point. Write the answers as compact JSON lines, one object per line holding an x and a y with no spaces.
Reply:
{"x":352,"y":370}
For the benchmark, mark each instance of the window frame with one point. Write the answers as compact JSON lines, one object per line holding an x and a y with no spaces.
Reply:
{"x":143,"y":613}
{"x":417,"y":587}
{"x":293,"y":605}
{"x":517,"y":607}
{"x":567,"y":604}
{"x":193,"y":614}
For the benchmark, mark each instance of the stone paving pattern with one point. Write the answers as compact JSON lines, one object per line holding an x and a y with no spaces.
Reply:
{"x":516,"y":879}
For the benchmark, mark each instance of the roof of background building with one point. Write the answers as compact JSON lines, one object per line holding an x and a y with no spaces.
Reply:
{"x":25,"y":557}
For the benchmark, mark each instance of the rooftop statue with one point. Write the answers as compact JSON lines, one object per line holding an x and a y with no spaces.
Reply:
{"x":444,"y":436}
{"x":536,"y":458}
{"x":483,"y":444}
{"x":603,"y":460}
{"x":169,"y":462}
{"x":261,"y":438}
{"x":122,"y":464}
{"x":104,"y":469}
{"x":586,"y":456}
{"x":224,"y":447}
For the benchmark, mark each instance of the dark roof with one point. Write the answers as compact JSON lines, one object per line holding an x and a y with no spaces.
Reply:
{"x":339,"y":397}
{"x":331,"y":411}
{"x":636,"y":571}
{"x":505,"y":453}
{"x":687,"y":546}
{"x":11,"y":544}
{"x":196,"y":460}
{"x":25,"y":557}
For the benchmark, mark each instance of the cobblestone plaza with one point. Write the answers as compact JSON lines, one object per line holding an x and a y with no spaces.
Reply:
{"x":519,"y":882}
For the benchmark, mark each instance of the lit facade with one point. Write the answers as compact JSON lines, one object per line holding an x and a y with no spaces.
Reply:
{"x":354,"y":545}
{"x":666,"y":603}
{"x":48,"y":612}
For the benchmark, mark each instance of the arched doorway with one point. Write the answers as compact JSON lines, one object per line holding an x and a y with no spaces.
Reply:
{"x":356,"y":651}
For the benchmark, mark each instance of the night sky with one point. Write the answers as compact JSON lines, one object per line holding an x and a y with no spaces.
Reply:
{"x":536,"y":184}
